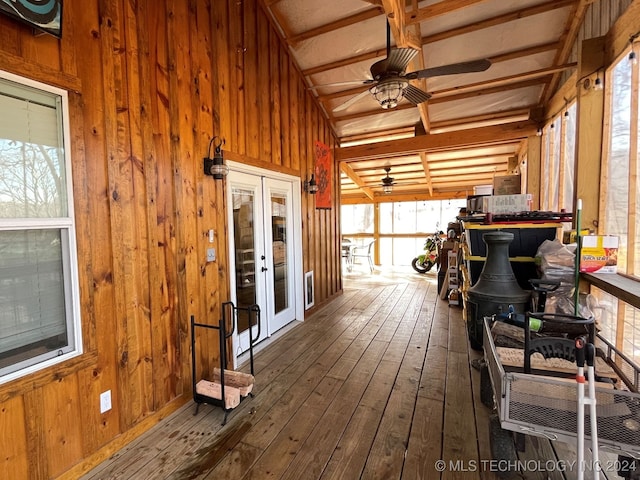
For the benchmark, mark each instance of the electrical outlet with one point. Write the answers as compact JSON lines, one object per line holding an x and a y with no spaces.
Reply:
{"x":105,"y":401}
{"x":211,"y":254}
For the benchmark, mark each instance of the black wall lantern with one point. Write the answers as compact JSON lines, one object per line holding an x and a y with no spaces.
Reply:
{"x":215,"y":166}
{"x":311,"y":186}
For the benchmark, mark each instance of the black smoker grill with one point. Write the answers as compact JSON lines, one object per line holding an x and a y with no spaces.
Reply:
{"x":496,"y":289}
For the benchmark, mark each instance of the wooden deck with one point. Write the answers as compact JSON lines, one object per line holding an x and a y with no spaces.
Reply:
{"x":376,"y":385}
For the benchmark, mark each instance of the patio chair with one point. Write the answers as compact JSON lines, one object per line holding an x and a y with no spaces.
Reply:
{"x":363,"y":251}
{"x":347,"y":247}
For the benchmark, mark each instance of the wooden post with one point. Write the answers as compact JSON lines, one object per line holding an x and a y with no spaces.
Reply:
{"x":590,"y":113}
{"x":534,"y":164}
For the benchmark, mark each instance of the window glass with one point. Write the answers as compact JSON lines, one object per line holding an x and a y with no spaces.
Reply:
{"x":386,"y":217}
{"x":569,"y":158}
{"x":555,"y":162}
{"x":558,"y":161}
{"x":357,"y":219}
{"x":411,"y":221}
{"x":39,"y":313}
{"x":616,"y":192}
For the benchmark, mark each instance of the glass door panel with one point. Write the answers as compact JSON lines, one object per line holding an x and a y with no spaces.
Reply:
{"x":245,"y":248}
{"x":280,"y":261}
{"x":280,"y":284}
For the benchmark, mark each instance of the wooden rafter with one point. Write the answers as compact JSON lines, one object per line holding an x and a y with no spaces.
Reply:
{"x":498,"y":20}
{"x":437,"y":9}
{"x":576,"y":17}
{"x":486,"y":91}
{"x":330,"y":27}
{"x":427,"y":171}
{"x":355,"y":178}
{"x":503,"y":81}
{"x":500,"y":117}
{"x":369,"y":113}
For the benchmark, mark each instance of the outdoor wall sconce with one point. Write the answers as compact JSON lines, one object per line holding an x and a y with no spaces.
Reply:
{"x":311,"y":186}
{"x":215,"y":166}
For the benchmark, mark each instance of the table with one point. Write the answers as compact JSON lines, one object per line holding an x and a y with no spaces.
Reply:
{"x":347,"y":251}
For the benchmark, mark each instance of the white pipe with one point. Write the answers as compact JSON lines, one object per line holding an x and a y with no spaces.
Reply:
{"x":580,"y":423}
{"x":594,"y":421}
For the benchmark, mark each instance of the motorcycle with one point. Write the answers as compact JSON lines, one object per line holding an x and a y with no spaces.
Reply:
{"x":425,"y":261}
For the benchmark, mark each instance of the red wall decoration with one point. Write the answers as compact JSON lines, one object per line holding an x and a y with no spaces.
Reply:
{"x":323,"y":175}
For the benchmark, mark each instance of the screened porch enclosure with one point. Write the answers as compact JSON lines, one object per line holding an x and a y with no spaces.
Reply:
{"x":399,"y":228}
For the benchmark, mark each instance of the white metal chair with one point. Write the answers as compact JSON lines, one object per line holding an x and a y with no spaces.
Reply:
{"x":363,"y":251}
{"x":347,"y":248}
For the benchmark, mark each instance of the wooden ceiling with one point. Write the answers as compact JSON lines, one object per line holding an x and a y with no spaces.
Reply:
{"x":473,"y":127}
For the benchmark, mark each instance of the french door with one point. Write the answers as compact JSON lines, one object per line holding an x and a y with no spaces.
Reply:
{"x":263,"y":207}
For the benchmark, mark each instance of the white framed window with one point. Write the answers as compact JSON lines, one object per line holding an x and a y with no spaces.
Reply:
{"x":39,"y":298}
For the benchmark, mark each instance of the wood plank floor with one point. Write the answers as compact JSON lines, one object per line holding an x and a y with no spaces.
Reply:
{"x":376,"y":385}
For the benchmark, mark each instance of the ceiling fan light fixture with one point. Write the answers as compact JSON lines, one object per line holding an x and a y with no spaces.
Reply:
{"x":390,"y":93}
{"x":387,"y":188}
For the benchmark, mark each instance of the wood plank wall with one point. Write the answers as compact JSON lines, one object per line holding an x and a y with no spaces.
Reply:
{"x":150,"y":82}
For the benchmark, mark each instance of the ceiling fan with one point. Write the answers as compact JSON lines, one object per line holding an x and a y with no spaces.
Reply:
{"x":390,"y":83}
{"x":387,"y":183}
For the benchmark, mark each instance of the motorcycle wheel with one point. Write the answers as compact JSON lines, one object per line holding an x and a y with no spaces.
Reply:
{"x":420,"y":267}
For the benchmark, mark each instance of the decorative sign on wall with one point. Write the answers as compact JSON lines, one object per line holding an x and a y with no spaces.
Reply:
{"x":45,"y":15}
{"x":323,"y":175}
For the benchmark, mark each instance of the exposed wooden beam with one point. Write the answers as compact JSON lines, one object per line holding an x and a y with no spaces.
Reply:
{"x":354,"y":199}
{"x":343,"y":93}
{"x":486,"y":91}
{"x":374,"y":54}
{"x":402,"y":131}
{"x":524,"y":52}
{"x":395,"y":11}
{"x":498,"y":20}
{"x":568,"y":38}
{"x":427,"y":171}
{"x":488,"y":117}
{"x":330,"y":27}
{"x":348,"y":171}
{"x":377,"y":111}
{"x":418,"y":64}
{"x":437,"y":9}
{"x":484,"y":163}
{"x":426,"y":143}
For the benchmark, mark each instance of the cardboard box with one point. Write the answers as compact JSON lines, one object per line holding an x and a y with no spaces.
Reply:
{"x":569,"y":236}
{"x":507,"y":185}
{"x":599,"y":254}
{"x":506,"y":203}
{"x":483,"y":190}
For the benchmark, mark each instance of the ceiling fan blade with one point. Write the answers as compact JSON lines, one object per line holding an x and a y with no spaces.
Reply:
{"x":351,"y":101}
{"x":399,"y":58}
{"x":396,"y":184}
{"x":343,"y":84}
{"x":454,"y":68}
{"x":415,"y":95}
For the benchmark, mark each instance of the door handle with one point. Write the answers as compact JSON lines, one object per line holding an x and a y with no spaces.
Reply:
{"x":264,"y":269}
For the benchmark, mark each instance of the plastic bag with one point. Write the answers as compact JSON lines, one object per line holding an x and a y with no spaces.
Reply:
{"x":557,"y":263}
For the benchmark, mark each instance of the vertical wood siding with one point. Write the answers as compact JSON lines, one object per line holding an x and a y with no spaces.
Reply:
{"x":150,"y":82}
